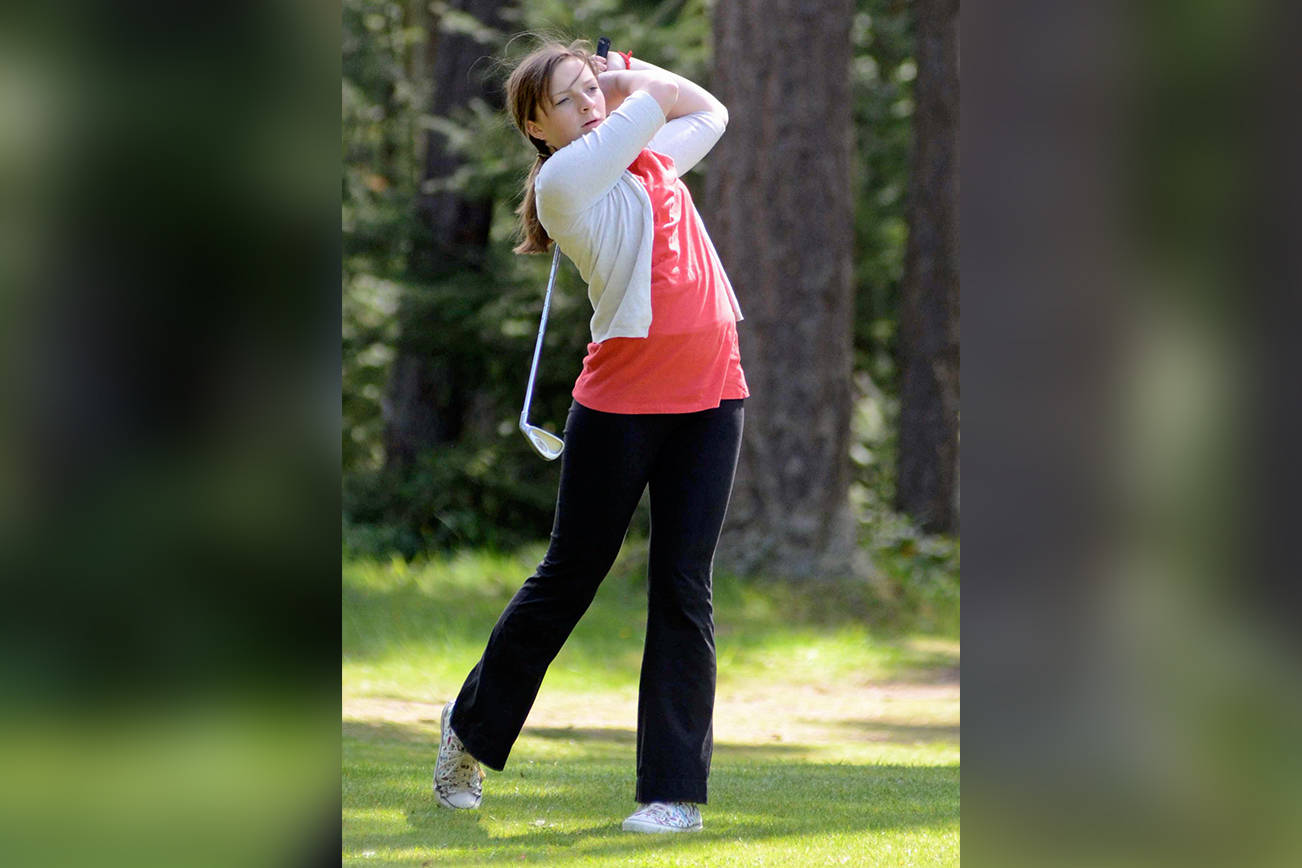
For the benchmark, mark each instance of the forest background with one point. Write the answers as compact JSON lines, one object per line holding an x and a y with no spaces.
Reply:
{"x":839,"y":233}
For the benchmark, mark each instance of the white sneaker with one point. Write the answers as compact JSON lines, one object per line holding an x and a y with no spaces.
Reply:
{"x":665,"y":817}
{"x":458,"y":779}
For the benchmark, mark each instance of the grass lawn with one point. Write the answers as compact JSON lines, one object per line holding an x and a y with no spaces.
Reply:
{"x":834,"y":744}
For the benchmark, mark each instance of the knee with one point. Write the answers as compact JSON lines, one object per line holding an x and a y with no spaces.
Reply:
{"x":684,"y":586}
{"x":573,"y":561}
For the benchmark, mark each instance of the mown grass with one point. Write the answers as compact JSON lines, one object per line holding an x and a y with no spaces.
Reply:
{"x":834,"y":744}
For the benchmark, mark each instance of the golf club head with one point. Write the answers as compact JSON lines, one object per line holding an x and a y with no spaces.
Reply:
{"x":545,"y":443}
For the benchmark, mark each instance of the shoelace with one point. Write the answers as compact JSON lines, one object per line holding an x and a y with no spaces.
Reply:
{"x":465,"y":772}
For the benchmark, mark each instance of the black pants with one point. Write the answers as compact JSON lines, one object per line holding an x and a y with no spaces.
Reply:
{"x":688,"y":460}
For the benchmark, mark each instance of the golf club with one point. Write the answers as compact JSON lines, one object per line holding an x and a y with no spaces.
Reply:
{"x":545,"y":443}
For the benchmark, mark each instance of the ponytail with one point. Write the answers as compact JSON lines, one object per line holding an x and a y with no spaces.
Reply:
{"x":533,"y":237}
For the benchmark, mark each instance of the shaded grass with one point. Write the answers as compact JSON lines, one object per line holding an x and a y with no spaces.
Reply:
{"x":407,"y":625}
{"x":816,"y":762}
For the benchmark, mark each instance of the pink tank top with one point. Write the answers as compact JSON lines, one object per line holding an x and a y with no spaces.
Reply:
{"x":689,"y":360}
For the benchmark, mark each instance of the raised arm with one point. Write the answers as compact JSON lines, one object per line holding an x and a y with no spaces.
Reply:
{"x":670,"y":114}
{"x":618,"y":86}
{"x":583,"y":171}
{"x":695,"y":121}
{"x":691,"y":97}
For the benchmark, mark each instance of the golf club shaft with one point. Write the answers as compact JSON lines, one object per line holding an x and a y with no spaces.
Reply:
{"x":542,"y":329}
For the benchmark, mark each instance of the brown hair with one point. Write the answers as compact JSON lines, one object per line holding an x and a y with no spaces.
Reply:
{"x":527,"y":90}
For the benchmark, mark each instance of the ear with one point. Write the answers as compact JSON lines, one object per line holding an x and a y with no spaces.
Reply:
{"x":533,"y":129}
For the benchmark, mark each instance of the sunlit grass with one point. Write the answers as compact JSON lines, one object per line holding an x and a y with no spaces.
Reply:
{"x":834,"y":743}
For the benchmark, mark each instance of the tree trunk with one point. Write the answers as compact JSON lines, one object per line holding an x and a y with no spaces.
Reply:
{"x":927,"y":478}
{"x":429,"y":396}
{"x":778,"y":195}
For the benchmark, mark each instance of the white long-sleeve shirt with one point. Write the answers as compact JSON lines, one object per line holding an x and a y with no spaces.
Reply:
{"x":600,"y":214}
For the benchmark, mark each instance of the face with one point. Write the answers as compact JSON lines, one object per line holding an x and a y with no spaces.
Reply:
{"x":577,"y":105}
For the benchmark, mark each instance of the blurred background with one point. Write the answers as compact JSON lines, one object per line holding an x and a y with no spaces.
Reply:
{"x":170,"y":475}
{"x":169,"y":504}
{"x":1131,"y":681}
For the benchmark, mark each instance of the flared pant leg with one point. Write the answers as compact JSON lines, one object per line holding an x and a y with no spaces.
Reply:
{"x":691,"y":483}
{"x":689,"y":460}
{"x":604,"y":471}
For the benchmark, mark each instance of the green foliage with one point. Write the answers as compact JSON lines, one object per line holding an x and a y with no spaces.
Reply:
{"x":920,"y":573}
{"x":488,"y":492}
{"x":384,"y":90}
{"x":488,"y":488}
{"x":917,"y":584}
{"x":882,"y":75}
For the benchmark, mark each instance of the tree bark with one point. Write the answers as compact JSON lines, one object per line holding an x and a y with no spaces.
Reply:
{"x":928,"y":346}
{"x":428,"y":395}
{"x":779,"y":210}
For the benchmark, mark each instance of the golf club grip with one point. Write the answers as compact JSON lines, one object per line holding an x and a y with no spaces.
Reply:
{"x":603,"y":45}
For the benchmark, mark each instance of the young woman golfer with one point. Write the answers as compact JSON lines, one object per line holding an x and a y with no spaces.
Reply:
{"x":658,"y":404}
